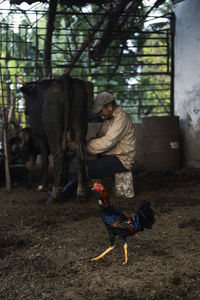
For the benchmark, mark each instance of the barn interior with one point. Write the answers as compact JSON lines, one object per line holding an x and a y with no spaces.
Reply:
{"x":129,"y":48}
{"x":134,"y":59}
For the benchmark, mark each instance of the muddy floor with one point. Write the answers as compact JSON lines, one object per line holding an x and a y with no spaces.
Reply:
{"x":46,"y":250}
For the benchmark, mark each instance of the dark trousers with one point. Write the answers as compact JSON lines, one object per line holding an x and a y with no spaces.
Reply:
{"x":101,"y":167}
{"x":104,"y":166}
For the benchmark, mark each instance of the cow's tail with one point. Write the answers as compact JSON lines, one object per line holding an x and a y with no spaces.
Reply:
{"x":67,"y":95}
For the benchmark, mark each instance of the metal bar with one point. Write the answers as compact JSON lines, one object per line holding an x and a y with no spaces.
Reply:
{"x":128,"y":74}
{"x":143,"y":106}
{"x":144,"y":84}
{"x":172,"y":28}
{"x":152,"y":98}
{"x":26,"y":39}
{"x":36,"y":46}
{"x":39,"y":11}
{"x":111,"y":65}
{"x":139,"y":55}
{"x":168,"y":54}
{"x":6,"y":41}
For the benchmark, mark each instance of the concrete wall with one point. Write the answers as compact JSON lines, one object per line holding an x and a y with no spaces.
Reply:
{"x":187,"y":78}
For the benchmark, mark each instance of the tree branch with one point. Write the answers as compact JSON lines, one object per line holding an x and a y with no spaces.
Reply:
{"x":48,"y":38}
{"x":118,"y":14}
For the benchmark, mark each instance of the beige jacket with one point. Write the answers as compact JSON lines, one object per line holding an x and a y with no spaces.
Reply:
{"x":116,"y":137}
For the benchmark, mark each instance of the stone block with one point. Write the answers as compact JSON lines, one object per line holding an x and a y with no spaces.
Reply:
{"x":124,"y":184}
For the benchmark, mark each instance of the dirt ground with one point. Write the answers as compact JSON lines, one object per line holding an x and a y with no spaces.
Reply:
{"x":46,"y":250}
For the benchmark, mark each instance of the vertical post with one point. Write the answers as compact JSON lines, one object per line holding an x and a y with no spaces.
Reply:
{"x":172,"y":31}
{"x":89,"y":60}
{"x":36,"y":47}
{"x":5,"y":140}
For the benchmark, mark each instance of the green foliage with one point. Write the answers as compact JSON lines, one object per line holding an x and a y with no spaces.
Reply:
{"x":133,"y":68}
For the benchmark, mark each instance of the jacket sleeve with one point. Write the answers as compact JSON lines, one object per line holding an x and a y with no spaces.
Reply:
{"x":112,"y":137}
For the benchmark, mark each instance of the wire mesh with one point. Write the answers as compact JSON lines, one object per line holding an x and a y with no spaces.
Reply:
{"x":135,"y":68}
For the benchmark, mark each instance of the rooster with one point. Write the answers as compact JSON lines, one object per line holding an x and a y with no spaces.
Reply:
{"x":119,"y":222}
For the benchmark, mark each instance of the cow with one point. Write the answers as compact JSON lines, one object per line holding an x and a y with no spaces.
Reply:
{"x":22,"y":153}
{"x":27,"y":149}
{"x":57,"y":110}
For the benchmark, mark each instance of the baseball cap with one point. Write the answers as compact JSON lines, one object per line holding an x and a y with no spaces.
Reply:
{"x":101,"y":100}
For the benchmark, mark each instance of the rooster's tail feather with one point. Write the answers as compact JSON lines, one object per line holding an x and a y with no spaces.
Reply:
{"x":145,"y":217}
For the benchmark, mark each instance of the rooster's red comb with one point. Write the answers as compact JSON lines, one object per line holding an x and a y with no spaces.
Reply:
{"x":98,"y":187}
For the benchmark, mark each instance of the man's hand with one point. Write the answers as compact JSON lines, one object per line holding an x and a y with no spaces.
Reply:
{"x":72,"y":146}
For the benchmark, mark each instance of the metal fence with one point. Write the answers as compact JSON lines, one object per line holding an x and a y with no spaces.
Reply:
{"x":138,"y":70}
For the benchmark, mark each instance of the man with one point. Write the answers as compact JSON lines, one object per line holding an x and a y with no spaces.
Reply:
{"x":114,"y":145}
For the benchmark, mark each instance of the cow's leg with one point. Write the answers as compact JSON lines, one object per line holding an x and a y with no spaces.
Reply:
{"x":54,"y":131}
{"x":80,"y":168}
{"x":45,"y":166}
{"x":30,"y":165}
{"x":29,"y":180}
{"x":58,"y":172}
{"x":43,"y":150}
{"x":81,"y":171}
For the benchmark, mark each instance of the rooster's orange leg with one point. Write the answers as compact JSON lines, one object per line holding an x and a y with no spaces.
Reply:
{"x":104,"y":253}
{"x":126,"y":254}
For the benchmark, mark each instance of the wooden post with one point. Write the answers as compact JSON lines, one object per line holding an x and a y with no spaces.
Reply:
{"x":5,"y":140}
{"x":11,"y":116}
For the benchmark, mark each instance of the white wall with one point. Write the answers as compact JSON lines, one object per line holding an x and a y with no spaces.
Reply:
{"x":187,"y":77}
